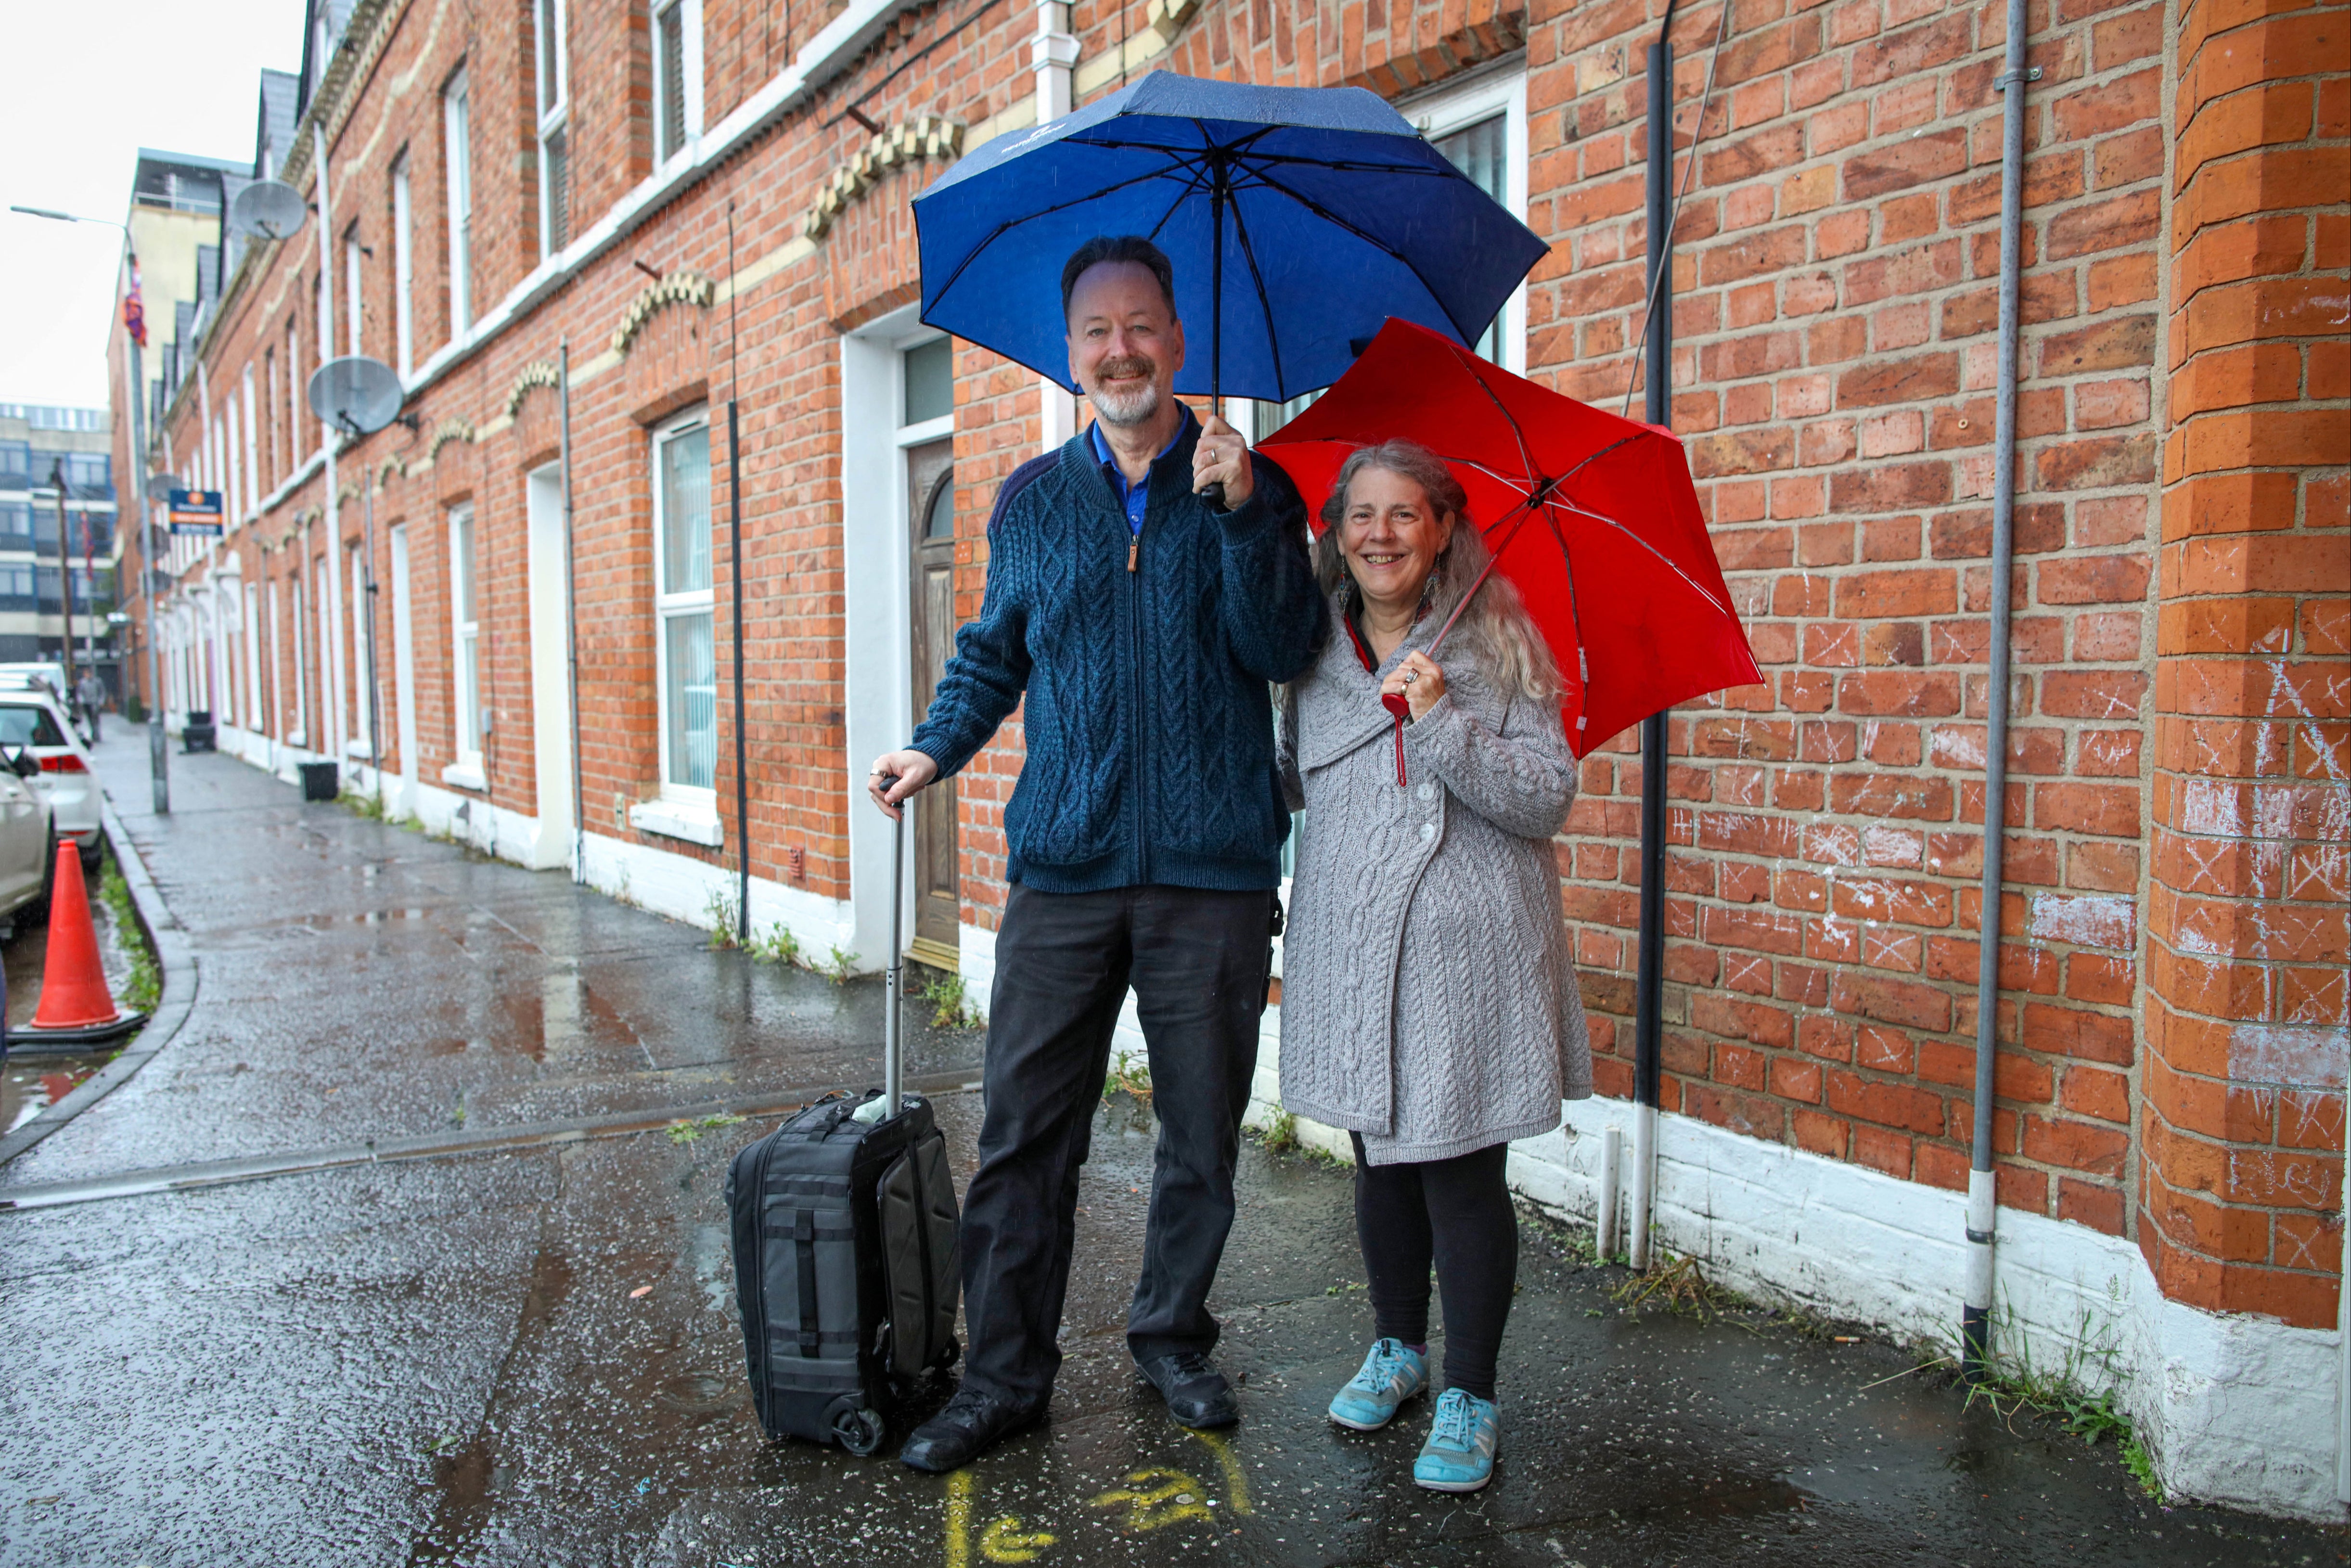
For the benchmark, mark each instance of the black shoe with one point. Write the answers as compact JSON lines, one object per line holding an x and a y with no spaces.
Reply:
{"x":1198,"y":1395}
{"x":971,"y":1423}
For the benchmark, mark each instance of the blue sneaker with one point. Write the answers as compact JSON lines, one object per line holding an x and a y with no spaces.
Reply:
{"x":1392,"y":1374}
{"x":1459,"y":1453}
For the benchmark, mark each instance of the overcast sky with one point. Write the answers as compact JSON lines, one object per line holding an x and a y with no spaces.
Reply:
{"x":90,"y":83}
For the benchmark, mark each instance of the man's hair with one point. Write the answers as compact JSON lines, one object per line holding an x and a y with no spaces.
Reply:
{"x":1118,"y":248}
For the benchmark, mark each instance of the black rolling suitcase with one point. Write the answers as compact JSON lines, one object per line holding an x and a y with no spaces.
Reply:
{"x":846,"y":1267}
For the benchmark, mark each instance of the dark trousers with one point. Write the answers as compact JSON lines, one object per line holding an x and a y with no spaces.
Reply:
{"x":1196,"y":961}
{"x":1457,"y":1213}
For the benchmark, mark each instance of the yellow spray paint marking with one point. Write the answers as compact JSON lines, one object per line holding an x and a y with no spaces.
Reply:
{"x":1236,"y":1481}
{"x":961,"y":1485}
{"x":1157,"y":1498}
{"x":1005,"y":1542}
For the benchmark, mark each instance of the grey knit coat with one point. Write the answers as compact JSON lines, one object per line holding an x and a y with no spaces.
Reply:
{"x":1428,"y":1000}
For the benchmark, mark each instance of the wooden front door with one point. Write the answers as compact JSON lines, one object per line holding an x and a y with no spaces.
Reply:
{"x":930,"y":498}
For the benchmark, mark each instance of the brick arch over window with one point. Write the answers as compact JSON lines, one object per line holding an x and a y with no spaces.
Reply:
{"x":537,"y":425}
{"x":666,"y":340}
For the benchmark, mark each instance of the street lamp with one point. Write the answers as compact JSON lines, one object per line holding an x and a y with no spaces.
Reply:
{"x":158,"y":752}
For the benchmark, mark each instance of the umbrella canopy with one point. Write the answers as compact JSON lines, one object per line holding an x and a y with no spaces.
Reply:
{"x":1297,"y":220}
{"x":1592,"y":517}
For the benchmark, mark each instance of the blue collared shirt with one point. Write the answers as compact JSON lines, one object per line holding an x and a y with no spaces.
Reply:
{"x":1134,"y":497}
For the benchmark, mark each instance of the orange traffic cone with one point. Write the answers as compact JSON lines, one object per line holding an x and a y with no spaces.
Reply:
{"x":75,"y":1005}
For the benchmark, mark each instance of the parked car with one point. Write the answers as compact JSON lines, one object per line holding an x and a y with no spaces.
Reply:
{"x":30,"y":718}
{"x":51,"y":676}
{"x":28,"y":841}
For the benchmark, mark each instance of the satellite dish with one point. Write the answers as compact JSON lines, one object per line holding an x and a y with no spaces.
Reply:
{"x":268,"y":209}
{"x":160,"y":485}
{"x":356,"y":395}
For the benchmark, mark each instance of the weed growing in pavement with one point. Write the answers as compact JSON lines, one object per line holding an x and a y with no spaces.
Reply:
{"x":839,"y":965}
{"x":777,"y":945}
{"x":1280,"y":1133}
{"x":719,"y":906}
{"x":686,"y":1132}
{"x":1679,"y":1286}
{"x":144,"y":987}
{"x":1131,"y":1078}
{"x":950,"y":1009}
{"x":361,"y":805}
{"x":2078,"y":1392}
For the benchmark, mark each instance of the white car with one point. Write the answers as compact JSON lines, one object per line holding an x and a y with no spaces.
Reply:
{"x":28,"y":851}
{"x":32,"y":718}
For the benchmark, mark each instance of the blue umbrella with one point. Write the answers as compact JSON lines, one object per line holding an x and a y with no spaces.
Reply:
{"x":1297,"y":219}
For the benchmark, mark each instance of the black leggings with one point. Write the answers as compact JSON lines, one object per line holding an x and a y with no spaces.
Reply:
{"x":1458,"y":1213}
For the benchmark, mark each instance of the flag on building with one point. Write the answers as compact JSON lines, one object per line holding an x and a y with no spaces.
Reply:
{"x":134,"y":314}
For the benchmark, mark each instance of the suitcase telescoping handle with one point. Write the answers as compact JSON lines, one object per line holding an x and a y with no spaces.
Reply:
{"x":893,"y":984}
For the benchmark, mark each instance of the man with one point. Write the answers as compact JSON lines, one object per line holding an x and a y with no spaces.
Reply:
{"x":1143,"y":624}
{"x":92,"y":691}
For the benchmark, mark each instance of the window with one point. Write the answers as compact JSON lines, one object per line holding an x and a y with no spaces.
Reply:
{"x":253,"y":485}
{"x":456,"y":152}
{"x":930,"y":381}
{"x":554,"y":157}
{"x":682,"y":604}
{"x":301,"y":721}
{"x":1481,"y":126}
{"x":269,"y":401}
{"x":360,"y":609}
{"x":15,"y":465}
{"x":351,"y":309}
{"x":403,"y":273}
{"x":464,"y":612}
{"x":293,"y":419}
{"x":677,"y":76}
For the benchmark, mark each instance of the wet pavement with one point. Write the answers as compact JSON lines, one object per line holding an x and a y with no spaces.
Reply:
{"x":530,"y":1356}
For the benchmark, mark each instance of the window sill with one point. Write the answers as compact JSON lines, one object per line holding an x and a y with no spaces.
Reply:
{"x":676,"y":819}
{"x":359,"y":749}
{"x":465,"y":777}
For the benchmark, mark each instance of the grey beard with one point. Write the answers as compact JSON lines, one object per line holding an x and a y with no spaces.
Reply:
{"x":1133,"y":408}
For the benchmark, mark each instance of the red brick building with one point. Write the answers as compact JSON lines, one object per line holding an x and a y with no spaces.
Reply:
{"x":703,"y":205}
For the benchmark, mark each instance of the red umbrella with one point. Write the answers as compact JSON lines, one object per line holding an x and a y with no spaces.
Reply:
{"x":1592,"y":517}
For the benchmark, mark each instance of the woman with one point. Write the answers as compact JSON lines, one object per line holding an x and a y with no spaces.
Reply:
{"x":1429,"y":1006}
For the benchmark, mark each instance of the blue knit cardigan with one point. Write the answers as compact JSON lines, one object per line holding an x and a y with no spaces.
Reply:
{"x":1149,"y":726}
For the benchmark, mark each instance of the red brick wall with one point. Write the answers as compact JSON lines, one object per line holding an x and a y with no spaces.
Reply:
{"x":1835,"y":267}
{"x":2242,"y":1120}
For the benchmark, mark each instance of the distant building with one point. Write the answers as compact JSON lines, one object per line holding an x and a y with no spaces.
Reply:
{"x":41,"y":448}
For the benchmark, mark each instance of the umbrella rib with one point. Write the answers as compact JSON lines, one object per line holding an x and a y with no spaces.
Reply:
{"x":1327,"y":215}
{"x":1009,"y":224}
{"x":1517,"y":434}
{"x":1671,"y":565}
{"x":1191,"y":188}
{"x":1257,"y":280}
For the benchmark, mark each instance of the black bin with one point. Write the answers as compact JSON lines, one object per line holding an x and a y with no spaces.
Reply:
{"x":320,"y":780}
{"x":198,"y":733}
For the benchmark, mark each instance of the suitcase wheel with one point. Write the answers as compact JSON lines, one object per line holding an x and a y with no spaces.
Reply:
{"x":860,"y":1431}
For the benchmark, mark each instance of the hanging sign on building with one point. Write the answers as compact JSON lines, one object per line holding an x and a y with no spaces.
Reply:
{"x":196,"y":512}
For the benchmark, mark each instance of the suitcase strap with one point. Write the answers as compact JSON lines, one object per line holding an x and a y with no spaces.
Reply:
{"x":804,"y":1241}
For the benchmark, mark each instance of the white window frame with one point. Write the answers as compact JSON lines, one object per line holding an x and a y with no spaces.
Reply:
{"x":465,"y":627}
{"x":554,"y":103}
{"x":457,"y":179}
{"x":404,"y":271}
{"x":358,"y":746}
{"x":298,"y":732}
{"x":354,"y":315}
{"x":1500,"y":89}
{"x":254,"y":486}
{"x":667,"y":605}
{"x":688,"y":16}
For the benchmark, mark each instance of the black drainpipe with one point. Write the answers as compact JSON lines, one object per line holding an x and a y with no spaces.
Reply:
{"x":1649,"y":984}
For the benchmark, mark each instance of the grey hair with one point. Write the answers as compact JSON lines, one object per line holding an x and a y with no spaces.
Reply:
{"x":1496,"y":630}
